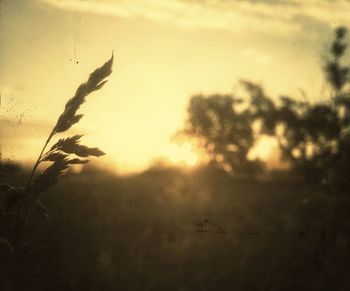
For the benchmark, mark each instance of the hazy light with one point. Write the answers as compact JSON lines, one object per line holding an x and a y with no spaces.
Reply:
{"x":182,"y":154}
{"x":263,"y":149}
{"x":134,"y":116}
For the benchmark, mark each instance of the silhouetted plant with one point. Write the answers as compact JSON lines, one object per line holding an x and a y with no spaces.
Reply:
{"x":20,"y":201}
{"x":337,"y":74}
{"x":224,"y":131}
{"x":312,"y":136}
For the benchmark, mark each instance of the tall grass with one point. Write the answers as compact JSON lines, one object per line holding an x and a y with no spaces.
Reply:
{"x":20,"y":201}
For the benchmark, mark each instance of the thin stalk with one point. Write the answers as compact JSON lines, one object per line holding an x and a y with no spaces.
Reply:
{"x":21,"y":218}
{"x":38,"y":160}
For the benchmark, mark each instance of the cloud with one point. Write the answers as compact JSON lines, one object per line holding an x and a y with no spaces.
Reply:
{"x":272,"y":16}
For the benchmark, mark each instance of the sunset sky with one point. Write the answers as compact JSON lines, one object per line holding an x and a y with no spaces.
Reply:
{"x":165,"y":52}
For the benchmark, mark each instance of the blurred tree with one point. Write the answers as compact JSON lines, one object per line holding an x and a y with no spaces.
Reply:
{"x":224,"y":131}
{"x":312,"y":137}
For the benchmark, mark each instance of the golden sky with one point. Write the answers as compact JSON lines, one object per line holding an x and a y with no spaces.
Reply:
{"x":165,"y":52}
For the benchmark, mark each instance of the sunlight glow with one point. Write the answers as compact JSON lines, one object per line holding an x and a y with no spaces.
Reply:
{"x":188,"y":47}
{"x":264,"y":149}
{"x":182,"y":154}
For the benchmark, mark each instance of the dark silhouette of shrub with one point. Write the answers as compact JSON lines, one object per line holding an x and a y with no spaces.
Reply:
{"x":224,"y":131}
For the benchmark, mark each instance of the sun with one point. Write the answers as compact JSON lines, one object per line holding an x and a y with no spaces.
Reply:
{"x":182,"y":154}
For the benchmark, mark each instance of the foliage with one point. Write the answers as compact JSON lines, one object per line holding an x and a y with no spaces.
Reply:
{"x":224,"y":131}
{"x":312,"y":137}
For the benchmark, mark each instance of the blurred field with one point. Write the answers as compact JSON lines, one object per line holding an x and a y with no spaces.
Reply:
{"x":168,"y":229}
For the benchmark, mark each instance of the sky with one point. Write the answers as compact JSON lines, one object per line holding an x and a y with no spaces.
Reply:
{"x":165,"y":52}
